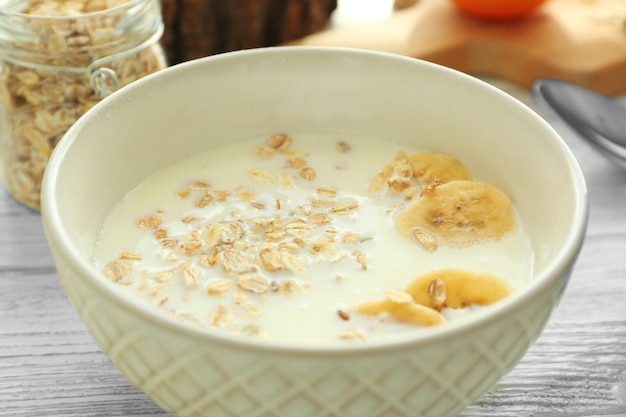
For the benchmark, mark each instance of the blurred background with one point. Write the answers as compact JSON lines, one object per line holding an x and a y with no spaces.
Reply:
{"x":581,"y":41}
{"x":197,"y":28}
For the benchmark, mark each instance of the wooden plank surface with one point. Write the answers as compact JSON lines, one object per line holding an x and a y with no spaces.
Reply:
{"x":582,"y":41}
{"x":50,"y":366}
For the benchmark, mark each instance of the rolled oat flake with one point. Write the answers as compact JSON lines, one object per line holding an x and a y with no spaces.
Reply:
{"x":57,"y":59}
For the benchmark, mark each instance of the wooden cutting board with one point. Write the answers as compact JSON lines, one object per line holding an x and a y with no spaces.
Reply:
{"x":582,"y":41}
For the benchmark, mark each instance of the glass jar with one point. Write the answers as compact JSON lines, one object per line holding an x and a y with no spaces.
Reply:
{"x":57,"y":59}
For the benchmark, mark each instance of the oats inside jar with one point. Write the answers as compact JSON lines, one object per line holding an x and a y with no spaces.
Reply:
{"x":58,"y":58}
{"x":293,"y":239}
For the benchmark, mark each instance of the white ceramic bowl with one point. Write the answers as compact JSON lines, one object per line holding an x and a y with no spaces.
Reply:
{"x":187,"y":108}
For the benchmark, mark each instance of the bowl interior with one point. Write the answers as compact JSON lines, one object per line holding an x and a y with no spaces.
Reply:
{"x":193,"y":106}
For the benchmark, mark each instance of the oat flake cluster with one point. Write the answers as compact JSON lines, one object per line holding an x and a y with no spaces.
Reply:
{"x":254,"y":252}
{"x":44,"y":85}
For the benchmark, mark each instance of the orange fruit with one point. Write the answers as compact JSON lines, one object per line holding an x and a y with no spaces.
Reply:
{"x":498,"y":9}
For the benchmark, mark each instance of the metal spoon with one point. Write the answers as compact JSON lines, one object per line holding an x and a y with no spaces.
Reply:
{"x":598,"y":118}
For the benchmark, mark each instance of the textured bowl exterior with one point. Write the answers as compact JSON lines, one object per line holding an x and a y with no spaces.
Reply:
{"x":189,"y":378}
{"x":191,"y":373}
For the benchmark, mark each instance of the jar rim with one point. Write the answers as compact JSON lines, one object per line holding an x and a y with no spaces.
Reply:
{"x":7,"y":12}
{"x":138,"y":25}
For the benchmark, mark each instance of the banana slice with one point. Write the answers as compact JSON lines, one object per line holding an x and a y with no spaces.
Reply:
{"x":423,"y":168}
{"x":397,"y":175}
{"x":429,"y":167}
{"x":422,"y":300}
{"x":410,"y":312}
{"x":457,"y":288}
{"x":458,"y":213}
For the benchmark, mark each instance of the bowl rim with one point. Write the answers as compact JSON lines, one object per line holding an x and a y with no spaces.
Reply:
{"x":560,"y":263}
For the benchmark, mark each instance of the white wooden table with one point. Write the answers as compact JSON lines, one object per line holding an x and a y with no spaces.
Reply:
{"x":50,"y":366}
